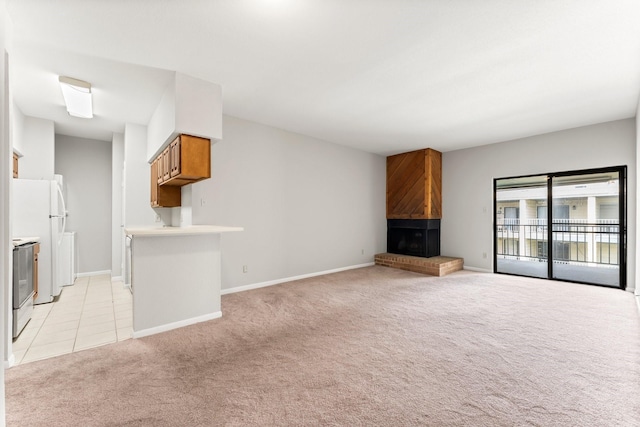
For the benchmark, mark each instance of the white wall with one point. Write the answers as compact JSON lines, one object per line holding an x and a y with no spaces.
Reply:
{"x":117,"y":232}
{"x":137,"y":189}
{"x":306,"y":205}
{"x":188,"y":105}
{"x":17,"y":128}
{"x":136,"y":198}
{"x":38,"y":149}
{"x":163,"y":121}
{"x":467,"y":182}
{"x":637,"y":216}
{"x":86,"y":167}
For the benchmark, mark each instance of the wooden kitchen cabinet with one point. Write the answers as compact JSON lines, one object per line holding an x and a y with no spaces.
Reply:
{"x":163,"y":196}
{"x":166,"y":165}
{"x":174,"y":151}
{"x":159,"y":175}
{"x":189,"y":160}
{"x":15,"y":165}
{"x":36,"y":251}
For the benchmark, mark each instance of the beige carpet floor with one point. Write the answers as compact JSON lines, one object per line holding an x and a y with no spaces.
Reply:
{"x":374,"y":347}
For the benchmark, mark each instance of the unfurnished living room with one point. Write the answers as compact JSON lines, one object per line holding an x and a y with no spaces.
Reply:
{"x":320,"y":212}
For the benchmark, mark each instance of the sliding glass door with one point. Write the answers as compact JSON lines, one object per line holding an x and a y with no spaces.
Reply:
{"x":580,"y":239}
{"x":521,"y":226}
{"x":586,"y":228}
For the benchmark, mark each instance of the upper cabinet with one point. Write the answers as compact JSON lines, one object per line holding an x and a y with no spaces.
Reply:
{"x":185,"y":161}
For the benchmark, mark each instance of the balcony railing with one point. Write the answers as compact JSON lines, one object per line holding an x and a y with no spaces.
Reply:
{"x":574,"y":240}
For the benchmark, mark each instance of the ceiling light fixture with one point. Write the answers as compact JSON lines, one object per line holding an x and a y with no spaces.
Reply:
{"x":77,"y":97}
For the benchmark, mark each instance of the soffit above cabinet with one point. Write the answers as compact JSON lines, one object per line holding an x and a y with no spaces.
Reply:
{"x":189,"y":106}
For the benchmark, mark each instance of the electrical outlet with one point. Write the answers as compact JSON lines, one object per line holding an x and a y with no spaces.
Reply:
{"x":203,"y":202}
{"x":245,"y":269}
{"x":157,"y":218}
{"x":484,"y":255}
{"x":362,"y":251}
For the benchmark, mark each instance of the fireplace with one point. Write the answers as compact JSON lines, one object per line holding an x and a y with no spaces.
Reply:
{"x":416,"y":237}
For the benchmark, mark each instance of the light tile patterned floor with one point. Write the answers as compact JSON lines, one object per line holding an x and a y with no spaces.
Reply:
{"x":92,"y":312}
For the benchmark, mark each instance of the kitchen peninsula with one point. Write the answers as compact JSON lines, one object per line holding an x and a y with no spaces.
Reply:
{"x":175,"y":276}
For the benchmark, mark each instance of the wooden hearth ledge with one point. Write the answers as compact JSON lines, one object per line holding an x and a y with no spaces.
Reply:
{"x":434,"y":266}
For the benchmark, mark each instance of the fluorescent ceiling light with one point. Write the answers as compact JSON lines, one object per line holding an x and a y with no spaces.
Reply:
{"x":77,"y":96}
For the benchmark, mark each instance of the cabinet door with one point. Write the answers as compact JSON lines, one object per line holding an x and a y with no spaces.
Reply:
{"x":154,"y":183}
{"x":163,"y":195}
{"x":175,"y":157}
{"x":166,"y":164}
{"x":159,"y":174}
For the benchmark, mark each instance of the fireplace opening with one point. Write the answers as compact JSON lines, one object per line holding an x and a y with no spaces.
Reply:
{"x":415,"y":237}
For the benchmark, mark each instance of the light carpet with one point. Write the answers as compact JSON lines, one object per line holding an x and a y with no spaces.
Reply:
{"x":373,"y":346}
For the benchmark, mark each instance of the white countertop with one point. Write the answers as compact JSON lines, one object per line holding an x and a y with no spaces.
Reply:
{"x":180,"y":231}
{"x":17,"y":241}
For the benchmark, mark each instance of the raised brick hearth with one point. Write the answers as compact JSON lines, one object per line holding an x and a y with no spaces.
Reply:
{"x":434,"y":266}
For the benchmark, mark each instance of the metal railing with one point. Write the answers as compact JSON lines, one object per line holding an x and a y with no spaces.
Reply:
{"x":574,"y":240}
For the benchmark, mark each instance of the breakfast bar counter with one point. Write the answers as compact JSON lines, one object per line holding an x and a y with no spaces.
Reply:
{"x":175,"y":276}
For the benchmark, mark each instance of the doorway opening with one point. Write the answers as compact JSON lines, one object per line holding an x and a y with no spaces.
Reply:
{"x":582,"y":238}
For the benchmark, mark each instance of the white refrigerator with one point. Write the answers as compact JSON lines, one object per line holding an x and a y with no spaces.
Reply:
{"x":39,"y":211}
{"x":67,"y":258}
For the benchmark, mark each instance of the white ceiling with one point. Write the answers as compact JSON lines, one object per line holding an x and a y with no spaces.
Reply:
{"x":384,"y":76}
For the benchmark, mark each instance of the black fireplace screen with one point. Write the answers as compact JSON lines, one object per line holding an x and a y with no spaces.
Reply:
{"x":416,"y":237}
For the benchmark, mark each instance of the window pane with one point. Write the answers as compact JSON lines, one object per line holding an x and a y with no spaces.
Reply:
{"x":521,"y":221}
{"x":585,"y":228}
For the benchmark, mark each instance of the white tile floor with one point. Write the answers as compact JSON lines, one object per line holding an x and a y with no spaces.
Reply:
{"x":92,"y":312}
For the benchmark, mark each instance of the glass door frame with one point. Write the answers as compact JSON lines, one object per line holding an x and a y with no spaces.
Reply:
{"x":622,"y":231}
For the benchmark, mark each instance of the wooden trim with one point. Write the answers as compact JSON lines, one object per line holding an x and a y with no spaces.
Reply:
{"x":414,"y":185}
{"x":15,"y":165}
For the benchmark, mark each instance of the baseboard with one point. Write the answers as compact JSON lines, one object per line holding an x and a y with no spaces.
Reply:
{"x":479,"y":270}
{"x":9,"y":363}
{"x":117,"y":279}
{"x":94,"y":273}
{"x":291,"y":279}
{"x":176,"y":325}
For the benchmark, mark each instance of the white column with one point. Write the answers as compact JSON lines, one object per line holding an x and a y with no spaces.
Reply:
{"x":591,"y":218}
{"x":117,"y":219}
{"x":522,"y":240}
